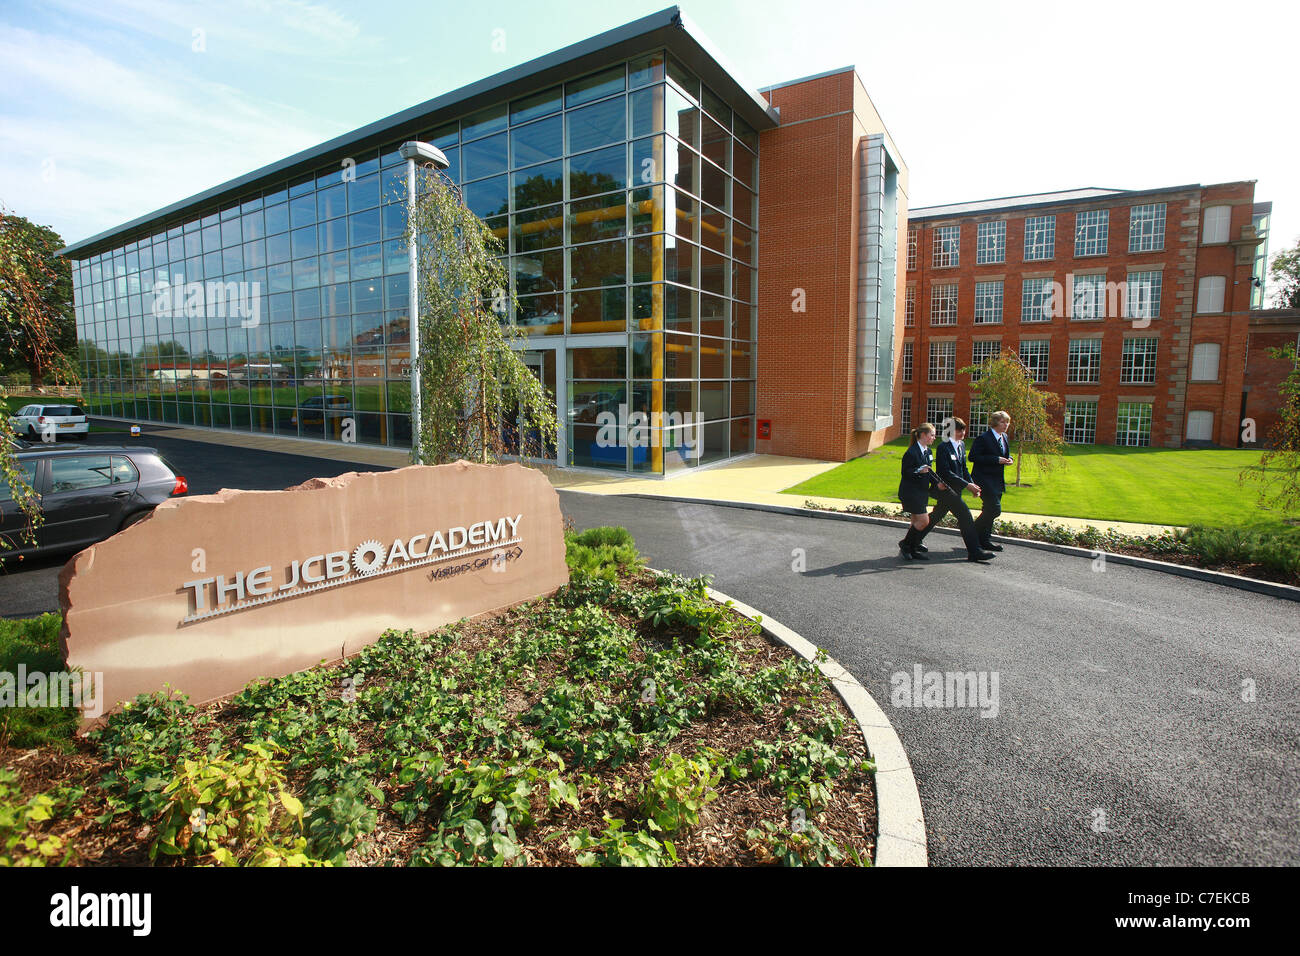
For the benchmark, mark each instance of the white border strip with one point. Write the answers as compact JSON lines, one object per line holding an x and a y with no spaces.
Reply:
{"x":900,"y":824}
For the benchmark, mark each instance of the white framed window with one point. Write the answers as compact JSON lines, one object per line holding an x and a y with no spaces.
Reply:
{"x":1089,"y":301}
{"x":1133,"y":424}
{"x":1036,"y":355}
{"x":1146,"y":228}
{"x":1080,"y":423}
{"x":943,"y":304}
{"x":1200,"y":426}
{"x":1205,"y":362}
{"x":1218,"y":221}
{"x":937,"y":411}
{"x":1084,"y":363}
{"x":945,"y":247}
{"x":912,"y":240}
{"x":1137,"y":364}
{"x":981,"y":351}
{"x":988,"y":302}
{"x":909,"y":307}
{"x":1036,"y":304}
{"x":977,"y":422}
{"x":1209,"y":294}
{"x":1040,"y":238}
{"x":991,"y":242}
{"x":907,"y":361}
{"x":906,"y":414}
{"x":1143,"y":294}
{"x":943,"y":361}
{"x":1091,"y":232}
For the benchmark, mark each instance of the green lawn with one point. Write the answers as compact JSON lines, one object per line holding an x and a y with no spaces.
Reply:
{"x":1104,"y":482}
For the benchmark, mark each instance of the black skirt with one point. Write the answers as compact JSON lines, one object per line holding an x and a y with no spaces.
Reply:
{"x":914,"y":502}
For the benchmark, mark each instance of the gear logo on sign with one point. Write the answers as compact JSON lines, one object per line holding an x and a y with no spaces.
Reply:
{"x":368,"y":557}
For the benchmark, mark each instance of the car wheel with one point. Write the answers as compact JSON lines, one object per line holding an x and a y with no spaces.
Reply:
{"x":134,"y":519}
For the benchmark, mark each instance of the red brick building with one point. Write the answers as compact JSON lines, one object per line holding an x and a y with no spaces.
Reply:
{"x":1269,"y":329}
{"x":1133,"y":306}
{"x":833,"y":203}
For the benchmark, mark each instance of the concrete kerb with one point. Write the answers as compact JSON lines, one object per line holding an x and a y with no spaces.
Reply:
{"x":1284,"y":591}
{"x":900,"y":824}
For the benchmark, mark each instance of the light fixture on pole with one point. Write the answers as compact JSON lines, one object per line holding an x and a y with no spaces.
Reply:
{"x":414,"y":151}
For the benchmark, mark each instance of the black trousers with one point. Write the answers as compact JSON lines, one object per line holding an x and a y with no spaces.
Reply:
{"x":992,"y":507}
{"x":949,"y":502}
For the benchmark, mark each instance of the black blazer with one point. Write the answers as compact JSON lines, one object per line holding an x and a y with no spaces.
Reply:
{"x":952,"y":468}
{"x":913,"y":480}
{"x":984,"y":454}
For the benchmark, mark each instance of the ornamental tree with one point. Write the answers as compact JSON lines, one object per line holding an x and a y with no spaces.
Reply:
{"x":478,"y":400}
{"x":1004,"y":383}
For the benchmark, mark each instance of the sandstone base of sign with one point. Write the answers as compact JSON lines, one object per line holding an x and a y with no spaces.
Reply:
{"x":213,"y":591}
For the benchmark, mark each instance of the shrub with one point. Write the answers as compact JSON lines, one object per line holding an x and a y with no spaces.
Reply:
{"x":678,"y":789}
{"x":217,"y":805}
{"x":601,"y":552}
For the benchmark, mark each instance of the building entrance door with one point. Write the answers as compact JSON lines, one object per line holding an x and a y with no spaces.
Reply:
{"x":527,"y":440}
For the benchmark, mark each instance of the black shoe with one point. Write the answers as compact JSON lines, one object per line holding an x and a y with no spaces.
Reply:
{"x":980,"y":556}
{"x":921,"y":547}
{"x":905,"y":549}
{"x":991,"y":547}
{"x":918,"y":556}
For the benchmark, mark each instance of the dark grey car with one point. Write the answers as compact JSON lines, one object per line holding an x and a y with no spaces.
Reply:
{"x":86,"y":495}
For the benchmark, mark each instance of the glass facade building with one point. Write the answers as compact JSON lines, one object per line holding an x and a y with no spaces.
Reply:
{"x":624,"y":193}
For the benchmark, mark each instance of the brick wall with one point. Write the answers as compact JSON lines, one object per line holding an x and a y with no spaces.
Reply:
{"x":808,"y":224}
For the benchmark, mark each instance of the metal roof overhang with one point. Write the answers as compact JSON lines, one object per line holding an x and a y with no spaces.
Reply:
{"x":668,"y":28}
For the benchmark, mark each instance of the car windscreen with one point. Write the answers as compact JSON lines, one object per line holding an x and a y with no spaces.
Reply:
{"x":62,"y":411}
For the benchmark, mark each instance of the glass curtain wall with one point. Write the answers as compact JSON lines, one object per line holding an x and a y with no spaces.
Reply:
{"x":626,"y":201}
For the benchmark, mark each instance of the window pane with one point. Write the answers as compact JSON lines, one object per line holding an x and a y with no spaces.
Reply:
{"x":604,"y":217}
{"x":488,"y":197}
{"x":539,"y":104}
{"x":596,"y":125}
{"x":601,"y":263}
{"x":594,"y":87}
{"x":79,"y":473}
{"x":538,"y":185}
{"x":484,"y":157}
{"x":601,"y":171}
{"x":536,"y":142}
{"x":538,"y":229}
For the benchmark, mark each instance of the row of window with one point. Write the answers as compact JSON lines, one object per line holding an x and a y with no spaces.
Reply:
{"x":1146,"y":233}
{"x":1132,"y":420}
{"x":1081,"y":298}
{"x":1083,"y":364}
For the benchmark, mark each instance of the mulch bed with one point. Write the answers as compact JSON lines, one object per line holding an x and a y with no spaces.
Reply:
{"x":719,"y":838}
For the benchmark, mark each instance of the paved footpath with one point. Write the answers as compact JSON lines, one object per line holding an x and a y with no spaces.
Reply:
{"x":1121,"y":735}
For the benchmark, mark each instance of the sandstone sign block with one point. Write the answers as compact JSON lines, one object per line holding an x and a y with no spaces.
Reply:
{"x":213,"y":591}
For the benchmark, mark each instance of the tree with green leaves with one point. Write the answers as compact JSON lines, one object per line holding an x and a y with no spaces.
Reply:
{"x":1284,"y":273}
{"x":1003,"y":383}
{"x":478,"y":400}
{"x":1278,"y":473}
{"x":38,"y":332}
{"x":37,"y":324}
